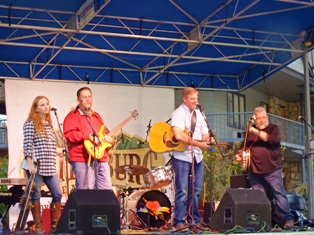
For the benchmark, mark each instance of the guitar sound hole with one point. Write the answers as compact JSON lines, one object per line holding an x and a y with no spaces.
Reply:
{"x":174,"y":140}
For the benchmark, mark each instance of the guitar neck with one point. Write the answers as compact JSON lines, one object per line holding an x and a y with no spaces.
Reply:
{"x":117,"y":128}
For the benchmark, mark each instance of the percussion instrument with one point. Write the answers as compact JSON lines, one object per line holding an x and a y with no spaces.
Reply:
{"x":150,"y":209}
{"x":160,"y":177}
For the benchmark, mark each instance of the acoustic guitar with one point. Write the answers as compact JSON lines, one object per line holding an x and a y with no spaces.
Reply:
{"x":161,"y":139}
{"x":97,"y":151}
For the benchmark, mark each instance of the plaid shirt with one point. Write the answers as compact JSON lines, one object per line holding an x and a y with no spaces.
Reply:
{"x":41,"y":147}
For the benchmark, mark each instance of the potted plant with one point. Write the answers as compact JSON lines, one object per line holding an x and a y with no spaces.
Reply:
{"x":218,"y":169}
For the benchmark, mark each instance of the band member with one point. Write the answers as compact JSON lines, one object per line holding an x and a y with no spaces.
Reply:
{"x":190,"y":161}
{"x":265,"y":171}
{"x":79,"y":125}
{"x":40,"y":152}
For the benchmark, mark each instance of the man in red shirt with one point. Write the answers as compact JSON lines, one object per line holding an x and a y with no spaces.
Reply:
{"x":83,"y":125}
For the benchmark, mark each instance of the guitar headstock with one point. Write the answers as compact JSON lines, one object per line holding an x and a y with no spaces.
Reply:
{"x":134,"y":113}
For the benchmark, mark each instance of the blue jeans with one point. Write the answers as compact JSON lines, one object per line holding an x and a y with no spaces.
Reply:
{"x":53,"y":185}
{"x":103,"y":176}
{"x":273,"y":182}
{"x":84,"y":175}
{"x":187,"y":199}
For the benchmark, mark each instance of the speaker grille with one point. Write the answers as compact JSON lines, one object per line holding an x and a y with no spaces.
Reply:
{"x":90,"y":212}
{"x":243,"y":207}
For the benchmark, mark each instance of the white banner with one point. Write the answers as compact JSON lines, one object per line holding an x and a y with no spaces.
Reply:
{"x":113,"y":103}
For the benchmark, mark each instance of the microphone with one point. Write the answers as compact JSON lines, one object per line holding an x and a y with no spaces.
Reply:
{"x":53,"y":109}
{"x":302,"y":118}
{"x":252,"y":119}
{"x":200,"y":107}
{"x":77,"y":107}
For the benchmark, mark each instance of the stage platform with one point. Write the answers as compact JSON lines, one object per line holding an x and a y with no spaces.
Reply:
{"x":297,"y":230}
{"x":302,"y":230}
{"x":131,"y":232}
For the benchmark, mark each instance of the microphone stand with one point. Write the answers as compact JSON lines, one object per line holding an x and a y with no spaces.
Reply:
{"x":210,"y":168}
{"x":309,"y":167}
{"x":65,"y":151}
{"x":95,"y":135}
{"x":148,"y":129}
{"x":307,"y":123}
{"x":150,"y":151}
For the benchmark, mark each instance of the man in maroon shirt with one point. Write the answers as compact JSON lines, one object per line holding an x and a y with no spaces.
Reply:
{"x":265,"y":171}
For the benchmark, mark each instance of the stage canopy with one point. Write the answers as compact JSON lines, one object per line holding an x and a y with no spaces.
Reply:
{"x":226,"y":45}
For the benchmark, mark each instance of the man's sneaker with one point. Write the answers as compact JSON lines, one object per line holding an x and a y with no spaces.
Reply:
{"x":289,"y":224}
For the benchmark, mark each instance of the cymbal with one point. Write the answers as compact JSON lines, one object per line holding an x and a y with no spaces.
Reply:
{"x":131,"y":169}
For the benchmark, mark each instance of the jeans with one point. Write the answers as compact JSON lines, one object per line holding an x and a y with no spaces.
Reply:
{"x":187,"y":199}
{"x":103,"y":176}
{"x":53,"y":185}
{"x":85,"y":175}
{"x":273,"y":182}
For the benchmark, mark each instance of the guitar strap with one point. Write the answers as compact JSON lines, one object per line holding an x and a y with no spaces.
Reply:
{"x":252,"y":144}
{"x":193,"y":123}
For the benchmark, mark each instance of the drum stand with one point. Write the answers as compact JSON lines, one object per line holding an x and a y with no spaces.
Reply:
{"x":125,"y":217}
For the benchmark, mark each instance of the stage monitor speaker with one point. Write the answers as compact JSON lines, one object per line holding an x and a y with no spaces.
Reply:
{"x":240,"y":181}
{"x":243,"y":207}
{"x":90,"y":212}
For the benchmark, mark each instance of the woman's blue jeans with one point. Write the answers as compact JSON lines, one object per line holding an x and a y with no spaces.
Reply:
{"x":53,"y":185}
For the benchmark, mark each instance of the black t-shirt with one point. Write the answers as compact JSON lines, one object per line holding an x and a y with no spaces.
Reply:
{"x":266,"y":156}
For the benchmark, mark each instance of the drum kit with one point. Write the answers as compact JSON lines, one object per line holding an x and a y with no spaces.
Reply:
{"x":147,"y":207}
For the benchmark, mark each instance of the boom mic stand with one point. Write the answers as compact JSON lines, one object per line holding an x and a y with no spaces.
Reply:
{"x":210,"y":168}
{"x":65,"y":151}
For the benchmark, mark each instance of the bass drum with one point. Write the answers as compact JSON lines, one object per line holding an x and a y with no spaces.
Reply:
{"x":150,"y":209}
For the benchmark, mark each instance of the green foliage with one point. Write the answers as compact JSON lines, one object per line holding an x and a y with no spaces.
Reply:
{"x":3,"y":174}
{"x":222,"y":166}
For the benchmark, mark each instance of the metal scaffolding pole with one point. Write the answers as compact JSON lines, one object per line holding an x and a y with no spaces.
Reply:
{"x":308,"y":137}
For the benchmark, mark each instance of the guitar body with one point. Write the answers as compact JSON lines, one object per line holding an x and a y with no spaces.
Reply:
{"x":97,"y":151}
{"x":161,"y":138}
{"x":246,"y":160}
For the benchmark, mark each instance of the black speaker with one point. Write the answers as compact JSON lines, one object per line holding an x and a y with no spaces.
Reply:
{"x":239,"y":181}
{"x":90,"y":212}
{"x":243,"y":207}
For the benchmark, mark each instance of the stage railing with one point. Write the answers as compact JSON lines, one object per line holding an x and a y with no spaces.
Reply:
{"x":230,"y":127}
